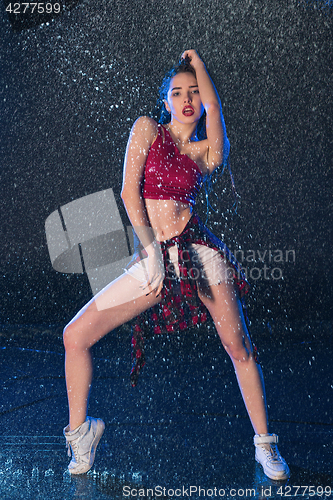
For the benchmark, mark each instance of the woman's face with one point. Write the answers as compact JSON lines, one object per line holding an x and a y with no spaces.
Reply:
{"x":183,"y":100}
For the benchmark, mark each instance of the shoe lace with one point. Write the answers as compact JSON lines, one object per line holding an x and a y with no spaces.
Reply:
{"x":272,"y":453}
{"x":72,"y":449}
{"x":68,"y":449}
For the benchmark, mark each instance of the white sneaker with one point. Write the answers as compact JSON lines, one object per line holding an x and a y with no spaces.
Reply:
{"x":268,"y":455}
{"x":83,"y":442}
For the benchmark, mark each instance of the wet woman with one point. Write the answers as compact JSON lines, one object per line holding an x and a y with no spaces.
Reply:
{"x":179,"y":265}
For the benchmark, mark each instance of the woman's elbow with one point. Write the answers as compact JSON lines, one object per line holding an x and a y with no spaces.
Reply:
{"x":123,"y":194}
{"x":128,"y":195}
{"x":213,"y":109}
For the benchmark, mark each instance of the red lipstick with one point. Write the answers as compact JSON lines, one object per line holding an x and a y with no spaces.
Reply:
{"x":188,"y":111}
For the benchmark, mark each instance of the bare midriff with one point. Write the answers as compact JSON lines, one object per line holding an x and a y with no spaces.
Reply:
{"x":168,"y":217}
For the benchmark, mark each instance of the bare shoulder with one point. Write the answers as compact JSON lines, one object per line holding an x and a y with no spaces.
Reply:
{"x":145,"y":128}
{"x":145,"y":121}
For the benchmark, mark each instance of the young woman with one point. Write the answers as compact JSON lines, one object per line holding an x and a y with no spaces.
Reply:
{"x":180,"y":267}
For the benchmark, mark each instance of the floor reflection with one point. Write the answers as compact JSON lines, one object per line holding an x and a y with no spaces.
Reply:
{"x":186,"y":427}
{"x":36,"y":475}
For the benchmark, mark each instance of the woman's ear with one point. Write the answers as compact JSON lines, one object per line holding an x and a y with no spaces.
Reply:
{"x":167,"y":107}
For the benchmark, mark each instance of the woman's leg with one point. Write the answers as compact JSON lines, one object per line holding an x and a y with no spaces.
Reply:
{"x":224,"y":306}
{"x":119,"y":302}
{"x":226,"y":310}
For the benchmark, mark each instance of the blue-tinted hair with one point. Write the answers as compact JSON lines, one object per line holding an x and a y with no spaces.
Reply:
{"x":184,"y":66}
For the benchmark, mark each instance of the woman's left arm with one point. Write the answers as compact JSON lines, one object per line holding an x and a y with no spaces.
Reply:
{"x":218,"y":143}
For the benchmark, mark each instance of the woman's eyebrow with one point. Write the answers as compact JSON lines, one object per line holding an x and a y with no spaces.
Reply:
{"x":179,"y":88}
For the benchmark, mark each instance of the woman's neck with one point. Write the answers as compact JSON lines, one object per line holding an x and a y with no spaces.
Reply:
{"x":182,"y":134}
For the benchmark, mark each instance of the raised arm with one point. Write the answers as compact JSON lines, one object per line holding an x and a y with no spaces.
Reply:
{"x":218,"y":143}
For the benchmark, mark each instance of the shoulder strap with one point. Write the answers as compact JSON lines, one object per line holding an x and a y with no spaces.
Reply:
{"x":161,"y":132}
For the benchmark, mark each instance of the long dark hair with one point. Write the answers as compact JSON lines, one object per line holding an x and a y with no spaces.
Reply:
{"x":184,"y":66}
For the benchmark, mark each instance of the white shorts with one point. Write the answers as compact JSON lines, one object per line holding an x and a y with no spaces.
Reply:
{"x":207,"y":265}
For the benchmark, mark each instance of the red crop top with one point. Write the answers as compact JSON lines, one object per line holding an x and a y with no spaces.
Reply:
{"x":170,"y":175}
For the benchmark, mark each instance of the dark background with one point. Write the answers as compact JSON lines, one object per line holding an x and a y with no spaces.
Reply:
{"x":71,"y":89}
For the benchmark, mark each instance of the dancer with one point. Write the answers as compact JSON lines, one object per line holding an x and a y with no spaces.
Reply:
{"x":180,"y":270}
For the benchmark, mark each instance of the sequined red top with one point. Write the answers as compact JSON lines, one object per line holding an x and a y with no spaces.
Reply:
{"x":170,"y":175}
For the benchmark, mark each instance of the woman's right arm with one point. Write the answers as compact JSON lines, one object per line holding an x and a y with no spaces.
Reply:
{"x":141,"y":137}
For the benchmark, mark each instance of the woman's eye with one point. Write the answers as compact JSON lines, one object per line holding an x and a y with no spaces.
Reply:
{"x":175,"y":93}
{"x":195,"y":91}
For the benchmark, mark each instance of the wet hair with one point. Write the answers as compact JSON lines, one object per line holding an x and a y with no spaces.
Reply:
{"x":184,"y":66}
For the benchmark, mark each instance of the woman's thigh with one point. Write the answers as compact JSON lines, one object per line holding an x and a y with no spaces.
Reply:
{"x":209,"y":267}
{"x":226,"y":310}
{"x":117,"y":303}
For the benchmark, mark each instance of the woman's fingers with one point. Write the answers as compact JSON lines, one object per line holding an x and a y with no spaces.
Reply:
{"x":186,"y":54}
{"x":154,"y":284}
{"x":189,"y":53}
{"x":159,"y":289}
{"x":149,"y":281}
{"x":154,"y":272}
{"x":193,"y":57}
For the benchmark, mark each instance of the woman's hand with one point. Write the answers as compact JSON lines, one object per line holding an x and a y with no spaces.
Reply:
{"x":155,"y":271}
{"x":218,"y":144}
{"x":193,"y":57}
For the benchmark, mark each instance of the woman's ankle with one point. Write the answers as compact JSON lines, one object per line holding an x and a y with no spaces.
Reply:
{"x":75,"y":424}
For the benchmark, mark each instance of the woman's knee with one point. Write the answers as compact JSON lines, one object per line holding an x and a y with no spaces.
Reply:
{"x":239,"y":353}
{"x":73,"y":338}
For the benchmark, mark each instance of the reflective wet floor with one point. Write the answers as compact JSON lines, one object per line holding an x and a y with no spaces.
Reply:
{"x":182,"y":432}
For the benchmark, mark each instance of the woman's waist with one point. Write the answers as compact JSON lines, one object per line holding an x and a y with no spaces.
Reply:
{"x":168,"y":218}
